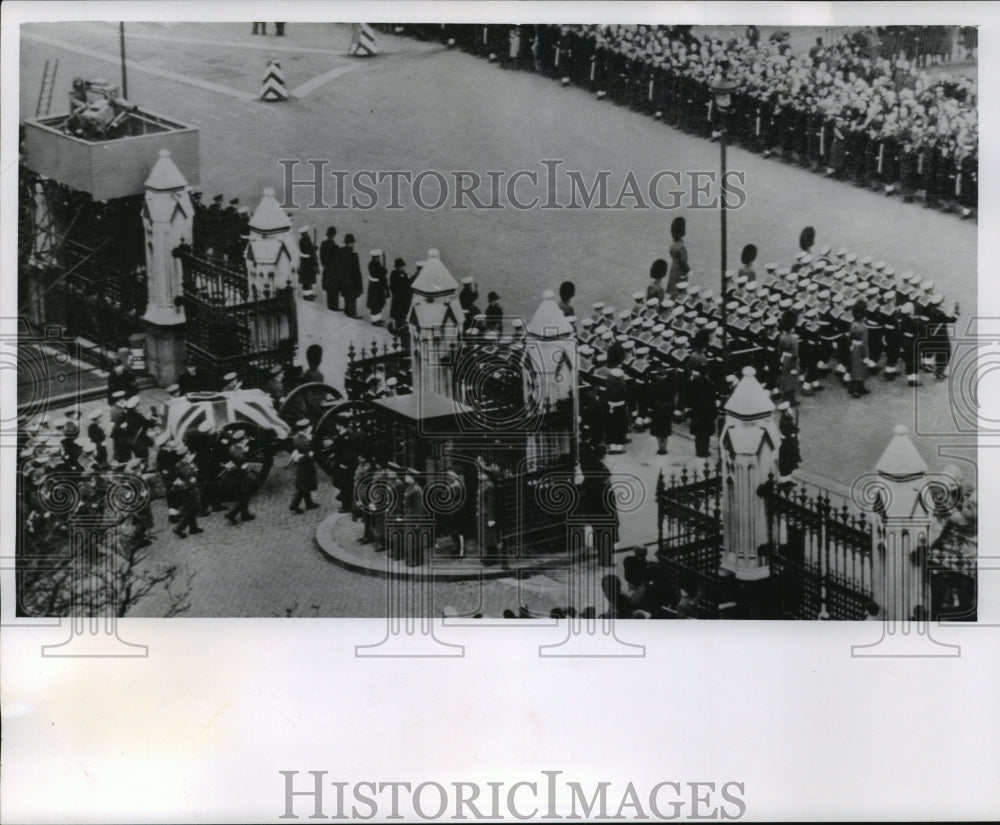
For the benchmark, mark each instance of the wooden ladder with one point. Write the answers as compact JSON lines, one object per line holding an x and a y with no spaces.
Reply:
{"x":45,"y":92}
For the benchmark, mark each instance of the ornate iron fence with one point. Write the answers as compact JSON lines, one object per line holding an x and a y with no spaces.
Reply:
{"x":232,"y":327}
{"x":820,"y":553}
{"x":370,"y":368}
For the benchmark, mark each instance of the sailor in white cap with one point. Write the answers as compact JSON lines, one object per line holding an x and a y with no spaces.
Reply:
{"x":231,"y":381}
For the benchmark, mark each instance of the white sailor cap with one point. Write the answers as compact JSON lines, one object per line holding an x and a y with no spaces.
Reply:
{"x":599,"y":306}
{"x":376,"y":253}
{"x":517,"y":323}
{"x":467,"y":280}
{"x":907,"y":308}
{"x":625,"y":314}
{"x":935,"y":299}
{"x":95,"y":414}
{"x":133,"y":402}
{"x":707,"y":295}
{"x":771,"y":267}
{"x":866,"y":261}
{"x":229,"y":376}
{"x":824,"y":249}
{"x":879,"y":266}
{"x":608,"y":311}
{"x":783,"y":406}
{"x":693,"y":288}
{"x":638,"y":296}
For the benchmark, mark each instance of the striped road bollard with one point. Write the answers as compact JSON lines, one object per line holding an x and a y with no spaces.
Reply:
{"x":274,"y":87}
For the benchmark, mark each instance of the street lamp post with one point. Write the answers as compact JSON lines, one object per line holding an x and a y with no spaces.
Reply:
{"x":722,"y":90}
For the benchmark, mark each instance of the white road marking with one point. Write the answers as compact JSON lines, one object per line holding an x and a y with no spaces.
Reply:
{"x":270,"y":46}
{"x":109,"y":58}
{"x":316,"y":82}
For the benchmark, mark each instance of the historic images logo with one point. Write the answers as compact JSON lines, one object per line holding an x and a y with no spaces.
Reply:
{"x":547,"y":799}
{"x":548,"y":188}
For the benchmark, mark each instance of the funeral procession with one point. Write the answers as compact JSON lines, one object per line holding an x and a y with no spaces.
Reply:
{"x":497,"y":322}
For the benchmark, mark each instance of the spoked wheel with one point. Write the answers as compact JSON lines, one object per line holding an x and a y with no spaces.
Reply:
{"x":309,"y":401}
{"x":339,"y":419}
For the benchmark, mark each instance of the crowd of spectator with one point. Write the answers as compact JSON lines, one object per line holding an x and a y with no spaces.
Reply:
{"x":864,"y":107}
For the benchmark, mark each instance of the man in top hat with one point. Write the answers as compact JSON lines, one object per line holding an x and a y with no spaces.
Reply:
{"x":328,"y":251}
{"x":494,"y":313}
{"x":378,"y":286}
{"x":214,"y":220}
{"x":349,"y":278}
{"x":401,"y":294}
{"x":308,"y":265}
{"x":304,"y":460}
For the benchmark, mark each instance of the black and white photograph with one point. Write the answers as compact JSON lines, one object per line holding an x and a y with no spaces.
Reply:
{"x":501,"y":319}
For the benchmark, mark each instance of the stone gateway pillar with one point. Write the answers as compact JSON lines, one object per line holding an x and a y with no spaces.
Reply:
{"x":749,"y":446}
{"x":167,"y":217}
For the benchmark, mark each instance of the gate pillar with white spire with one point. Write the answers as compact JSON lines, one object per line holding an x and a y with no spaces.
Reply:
{"x":272,"y":252}
{"x":749,"y":447}
{"x":167,"y":217}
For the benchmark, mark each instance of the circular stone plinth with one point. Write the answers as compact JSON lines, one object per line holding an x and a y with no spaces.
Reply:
{"x":339,"y":539}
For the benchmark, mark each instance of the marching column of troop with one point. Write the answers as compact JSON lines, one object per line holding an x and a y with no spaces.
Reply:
{"x":828,"y":313}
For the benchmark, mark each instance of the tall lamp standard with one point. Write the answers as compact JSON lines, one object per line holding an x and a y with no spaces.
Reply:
{"x":722,"y":89}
